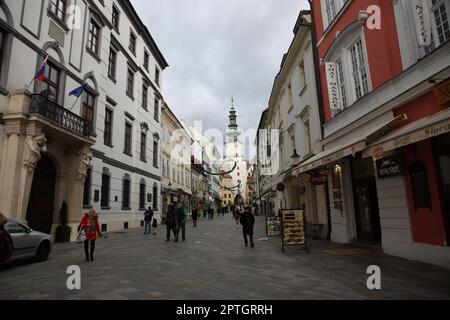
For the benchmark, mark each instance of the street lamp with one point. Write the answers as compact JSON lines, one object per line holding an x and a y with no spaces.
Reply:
{"x":295,"y":157}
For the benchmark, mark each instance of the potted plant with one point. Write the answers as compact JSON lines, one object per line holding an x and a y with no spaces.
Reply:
{"x":63,"y":230}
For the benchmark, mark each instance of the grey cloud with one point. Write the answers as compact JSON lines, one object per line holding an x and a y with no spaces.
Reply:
{"x":219,"y":49}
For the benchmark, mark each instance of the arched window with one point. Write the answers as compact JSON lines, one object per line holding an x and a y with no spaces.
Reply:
{"x":53,"y":85}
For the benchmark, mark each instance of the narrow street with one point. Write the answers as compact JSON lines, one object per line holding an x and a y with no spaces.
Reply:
{"x":214,"y":264}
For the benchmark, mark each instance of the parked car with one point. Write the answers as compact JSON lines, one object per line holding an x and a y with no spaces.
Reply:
{"x":27,"y":242}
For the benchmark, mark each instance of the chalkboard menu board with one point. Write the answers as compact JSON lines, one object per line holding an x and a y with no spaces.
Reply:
{"x":293,"y":226}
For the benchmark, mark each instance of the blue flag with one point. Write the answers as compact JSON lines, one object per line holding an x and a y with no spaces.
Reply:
{"x":78,"y":91}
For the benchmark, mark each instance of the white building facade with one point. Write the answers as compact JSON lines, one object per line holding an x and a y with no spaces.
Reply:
{"x":99,"y":150}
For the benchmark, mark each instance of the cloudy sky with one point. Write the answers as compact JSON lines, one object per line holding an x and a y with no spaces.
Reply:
{"x":219,"y":49}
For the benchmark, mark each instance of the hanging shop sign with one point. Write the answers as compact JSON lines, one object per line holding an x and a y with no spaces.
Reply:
{"x":293,"y":226}
{"x":390,"y":167}
{"x":319,"y":179}
{"x":281,"y":187}
{"x":442,"y":92}
{"x":422,"y":22}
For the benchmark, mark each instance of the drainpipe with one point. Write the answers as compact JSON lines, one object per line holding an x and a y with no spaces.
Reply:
{"x":319,"y":100}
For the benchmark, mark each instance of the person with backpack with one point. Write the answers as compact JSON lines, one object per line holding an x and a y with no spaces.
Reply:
{"x":6,"y":242}
{"x":148,"y":217}
{"x":247,"y":221}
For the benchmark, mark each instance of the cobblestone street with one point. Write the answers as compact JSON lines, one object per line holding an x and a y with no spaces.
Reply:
{"x":214,"y":264}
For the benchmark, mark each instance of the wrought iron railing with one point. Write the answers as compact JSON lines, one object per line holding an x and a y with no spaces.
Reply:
{"x":59,"y":115}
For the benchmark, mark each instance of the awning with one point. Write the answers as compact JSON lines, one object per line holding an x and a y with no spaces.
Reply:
{"x":351,"y":147}
{"x":425,"y":128}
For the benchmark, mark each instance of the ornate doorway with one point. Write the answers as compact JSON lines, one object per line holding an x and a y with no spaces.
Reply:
{"x":42,"y":195}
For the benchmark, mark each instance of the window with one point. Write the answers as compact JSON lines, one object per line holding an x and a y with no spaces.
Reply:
{"x":143,"y":147}
{"x":144,"y":96}
{"x":301,"y":72}
{"x":106,"y":181}
{"x":3,"y":38}
{"x":146,"y":59}
{"x":440,"y":10}
{"x":155,"y":198}
{"x":87,"y":189}
{"x":127,"y":144}
{"x":156,"y":75}
{"x":112,"y":63}
{"x":108,"y":127}
{"x":331,"y":9}
{"x":50,"y":86}
{"x":132,"y":45}
{"x":359,"y":71}
{"x":156,"y":111}
{"x":126,"y":194}
{"x":58,"y":8}
{"x":142,"y":196}
{"x":88,"y":107}
{"x":94,"y":37}
{"x":307,"y":135}
{"x":130,"y":83}
{"x":115,"y":18}
{"x":155,"y":154}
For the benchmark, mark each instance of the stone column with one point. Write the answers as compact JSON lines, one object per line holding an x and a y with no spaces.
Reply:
{"x":11,"y":179}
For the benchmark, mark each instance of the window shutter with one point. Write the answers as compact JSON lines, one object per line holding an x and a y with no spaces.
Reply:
{"x":422,"y":22}
{"x":333,"y":88}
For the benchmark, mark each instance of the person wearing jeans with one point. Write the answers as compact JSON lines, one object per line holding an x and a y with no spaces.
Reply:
{"x":89,"y":224}
{"x":148,"y":216}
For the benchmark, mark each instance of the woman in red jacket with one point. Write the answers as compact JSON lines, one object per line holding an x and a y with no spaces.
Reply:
{"x":91,"y":228}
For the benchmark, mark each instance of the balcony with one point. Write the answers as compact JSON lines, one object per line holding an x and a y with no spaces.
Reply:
{"x":59,"y":115}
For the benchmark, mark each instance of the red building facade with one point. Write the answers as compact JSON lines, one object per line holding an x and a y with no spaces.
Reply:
{"x":384,"y":69}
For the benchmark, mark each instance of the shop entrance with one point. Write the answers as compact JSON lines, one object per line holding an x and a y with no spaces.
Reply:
{"x":41,"y":203}
{"x":366,"y":201}
{"x":442,"y":156}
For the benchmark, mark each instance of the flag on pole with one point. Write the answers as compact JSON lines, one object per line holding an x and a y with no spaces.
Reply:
{"x":40,"y":74}
{"x":77,"y":92}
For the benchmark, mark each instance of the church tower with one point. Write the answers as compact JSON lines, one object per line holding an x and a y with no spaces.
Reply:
{"x":232,"y":132}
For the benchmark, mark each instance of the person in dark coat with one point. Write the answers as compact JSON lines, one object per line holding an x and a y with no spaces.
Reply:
{"x":181,"y":217}
{"x":247,"y":221}
{"x":194,"y":216}
{"x":171,"y":222}
{"x":148,"y":216}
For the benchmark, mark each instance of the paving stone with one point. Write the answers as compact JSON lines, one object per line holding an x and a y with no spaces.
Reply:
{"x":214,"y":264}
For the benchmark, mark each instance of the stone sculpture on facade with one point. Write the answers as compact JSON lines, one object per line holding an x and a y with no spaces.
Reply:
{"x":35,"y":146}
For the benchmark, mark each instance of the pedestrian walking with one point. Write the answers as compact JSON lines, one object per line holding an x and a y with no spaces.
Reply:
{"x":204,"y":214}
{"x":170,"y":222}
{"x":194,"y":216}
{"x":91,"y":228}
{"x":181,"y":217}
{"x":247,"y":221}
{"x":148,"y":217}
{"x":6,"y":242}
{"x":237,"y":215}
